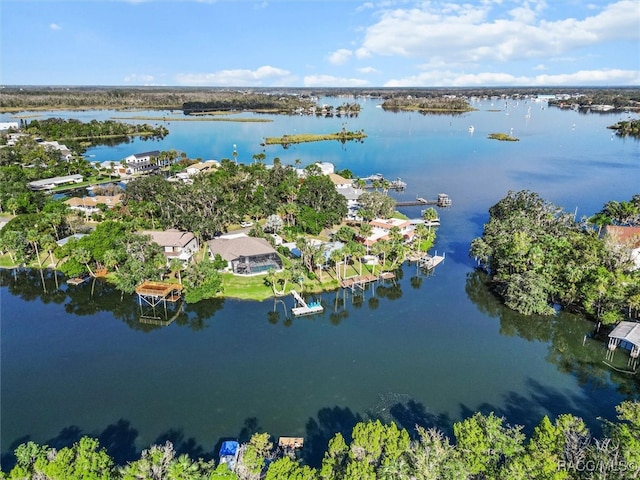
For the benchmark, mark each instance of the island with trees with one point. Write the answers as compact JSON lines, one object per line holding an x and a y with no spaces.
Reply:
{"x":341,"y":136}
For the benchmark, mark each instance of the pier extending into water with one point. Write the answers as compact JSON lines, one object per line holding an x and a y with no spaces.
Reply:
{"x":303,"y":308}
{"x":429,"y":262}
{"x":360,"y":281}
{"x":443,"y":200}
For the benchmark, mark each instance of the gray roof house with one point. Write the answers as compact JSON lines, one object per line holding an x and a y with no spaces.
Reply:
{"x":245,"y":255}
{"x":142,"y":162}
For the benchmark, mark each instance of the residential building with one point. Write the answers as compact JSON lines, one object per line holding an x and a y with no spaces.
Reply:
{"x":65,"y":153}
{"x":174,"y":243}
{"x":381,"y":229}
{"x":50,"y":183}
{"x":344,"y":186}
{"x":245,"y":255}
{"x":89,"y":205}
{"x":140,"y":163}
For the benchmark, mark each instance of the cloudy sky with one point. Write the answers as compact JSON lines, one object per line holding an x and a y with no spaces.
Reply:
{"x":312,"y":43}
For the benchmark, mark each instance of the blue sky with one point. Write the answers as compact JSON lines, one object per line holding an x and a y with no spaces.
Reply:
{"x":320,"y":43}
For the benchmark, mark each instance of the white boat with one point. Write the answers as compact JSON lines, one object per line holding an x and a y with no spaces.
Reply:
{"x":471,"y":129}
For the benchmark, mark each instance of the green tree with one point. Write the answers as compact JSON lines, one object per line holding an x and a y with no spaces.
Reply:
{"x":487,"y":444}
{"x":202,"y":281}
{"x":287,"y":469}
{"x":433,"y":457}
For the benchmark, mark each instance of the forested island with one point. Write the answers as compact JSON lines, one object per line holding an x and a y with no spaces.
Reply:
{"x":485,"y":446}
{"x":440,"y":104}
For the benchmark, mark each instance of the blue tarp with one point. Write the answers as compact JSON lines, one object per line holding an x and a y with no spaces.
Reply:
{"x":230,"y":447}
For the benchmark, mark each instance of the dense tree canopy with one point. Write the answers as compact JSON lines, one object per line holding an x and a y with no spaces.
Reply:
{"x":485,"y":447}
{"x":538,"y":255}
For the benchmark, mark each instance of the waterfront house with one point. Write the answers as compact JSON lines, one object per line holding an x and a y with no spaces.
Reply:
{"x":89,"y":205}
{"x":141,"y":163}
{"x":174,"y":243}
{"x":627,"y":238}
{"x":344,"y":187}
{"x":50,"y":183}
{"x":245,"y":255}
{"x":381,"y":229}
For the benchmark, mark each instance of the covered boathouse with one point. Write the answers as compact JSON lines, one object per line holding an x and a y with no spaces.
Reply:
{"x":627,"y":336}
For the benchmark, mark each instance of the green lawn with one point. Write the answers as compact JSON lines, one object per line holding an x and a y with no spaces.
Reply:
{"x":245,"y":288}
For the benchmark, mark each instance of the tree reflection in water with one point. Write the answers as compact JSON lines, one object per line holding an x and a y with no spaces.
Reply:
{"x":574,"y":345}
{"x":96,"y":295}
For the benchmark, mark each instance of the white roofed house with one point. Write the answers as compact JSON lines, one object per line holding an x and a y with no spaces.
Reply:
{"x":174,"y":243}
{"x":141,"y":163}
{"x":381,"y":229}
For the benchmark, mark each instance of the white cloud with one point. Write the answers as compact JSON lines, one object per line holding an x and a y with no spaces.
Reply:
{"x":239,"y":77}
{"x":55,"y":26}
{"x":331,"y":81}
{"x":340,"y":57}
{"x":363,"y":53}
{"x":139,"y":79}
{"x":463,"y":33}
{"x":448,"y":78}
{"x":367,"y":70}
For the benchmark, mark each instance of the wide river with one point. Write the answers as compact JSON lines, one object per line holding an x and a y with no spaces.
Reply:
{"x":425,"y":349}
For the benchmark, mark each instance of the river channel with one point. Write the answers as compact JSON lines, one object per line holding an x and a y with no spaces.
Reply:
{"x":426,"y":349}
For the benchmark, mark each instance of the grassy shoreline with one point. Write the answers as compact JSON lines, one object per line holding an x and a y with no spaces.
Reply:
{"x":314,"y":137}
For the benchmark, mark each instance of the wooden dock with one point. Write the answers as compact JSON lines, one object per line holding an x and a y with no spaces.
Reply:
{"x":291,"y":442}
{"x":77,"y":280}
{"x":362,"y":280}
{"x":154,"y":293}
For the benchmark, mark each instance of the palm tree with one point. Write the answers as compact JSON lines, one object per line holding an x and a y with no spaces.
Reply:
{"x":48,"y":243}
{"x":358,"y":250}
{"x":33,"y":236}
{"x":82,"y":255}
{"x":335,"y":257}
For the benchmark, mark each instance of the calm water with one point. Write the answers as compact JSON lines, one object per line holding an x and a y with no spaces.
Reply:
{"x":423,"y":349}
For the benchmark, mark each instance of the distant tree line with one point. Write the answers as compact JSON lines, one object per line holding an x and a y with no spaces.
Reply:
{"x":538,"y":256}
{"x":249,"y":101}
{"x":16,"y":98}
{"x":75,"y":130}
{"x":486,"y":447}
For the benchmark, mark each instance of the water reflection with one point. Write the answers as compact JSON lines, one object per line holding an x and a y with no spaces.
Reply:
{"x":98,"y":296}
{"x":575,"y":345}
